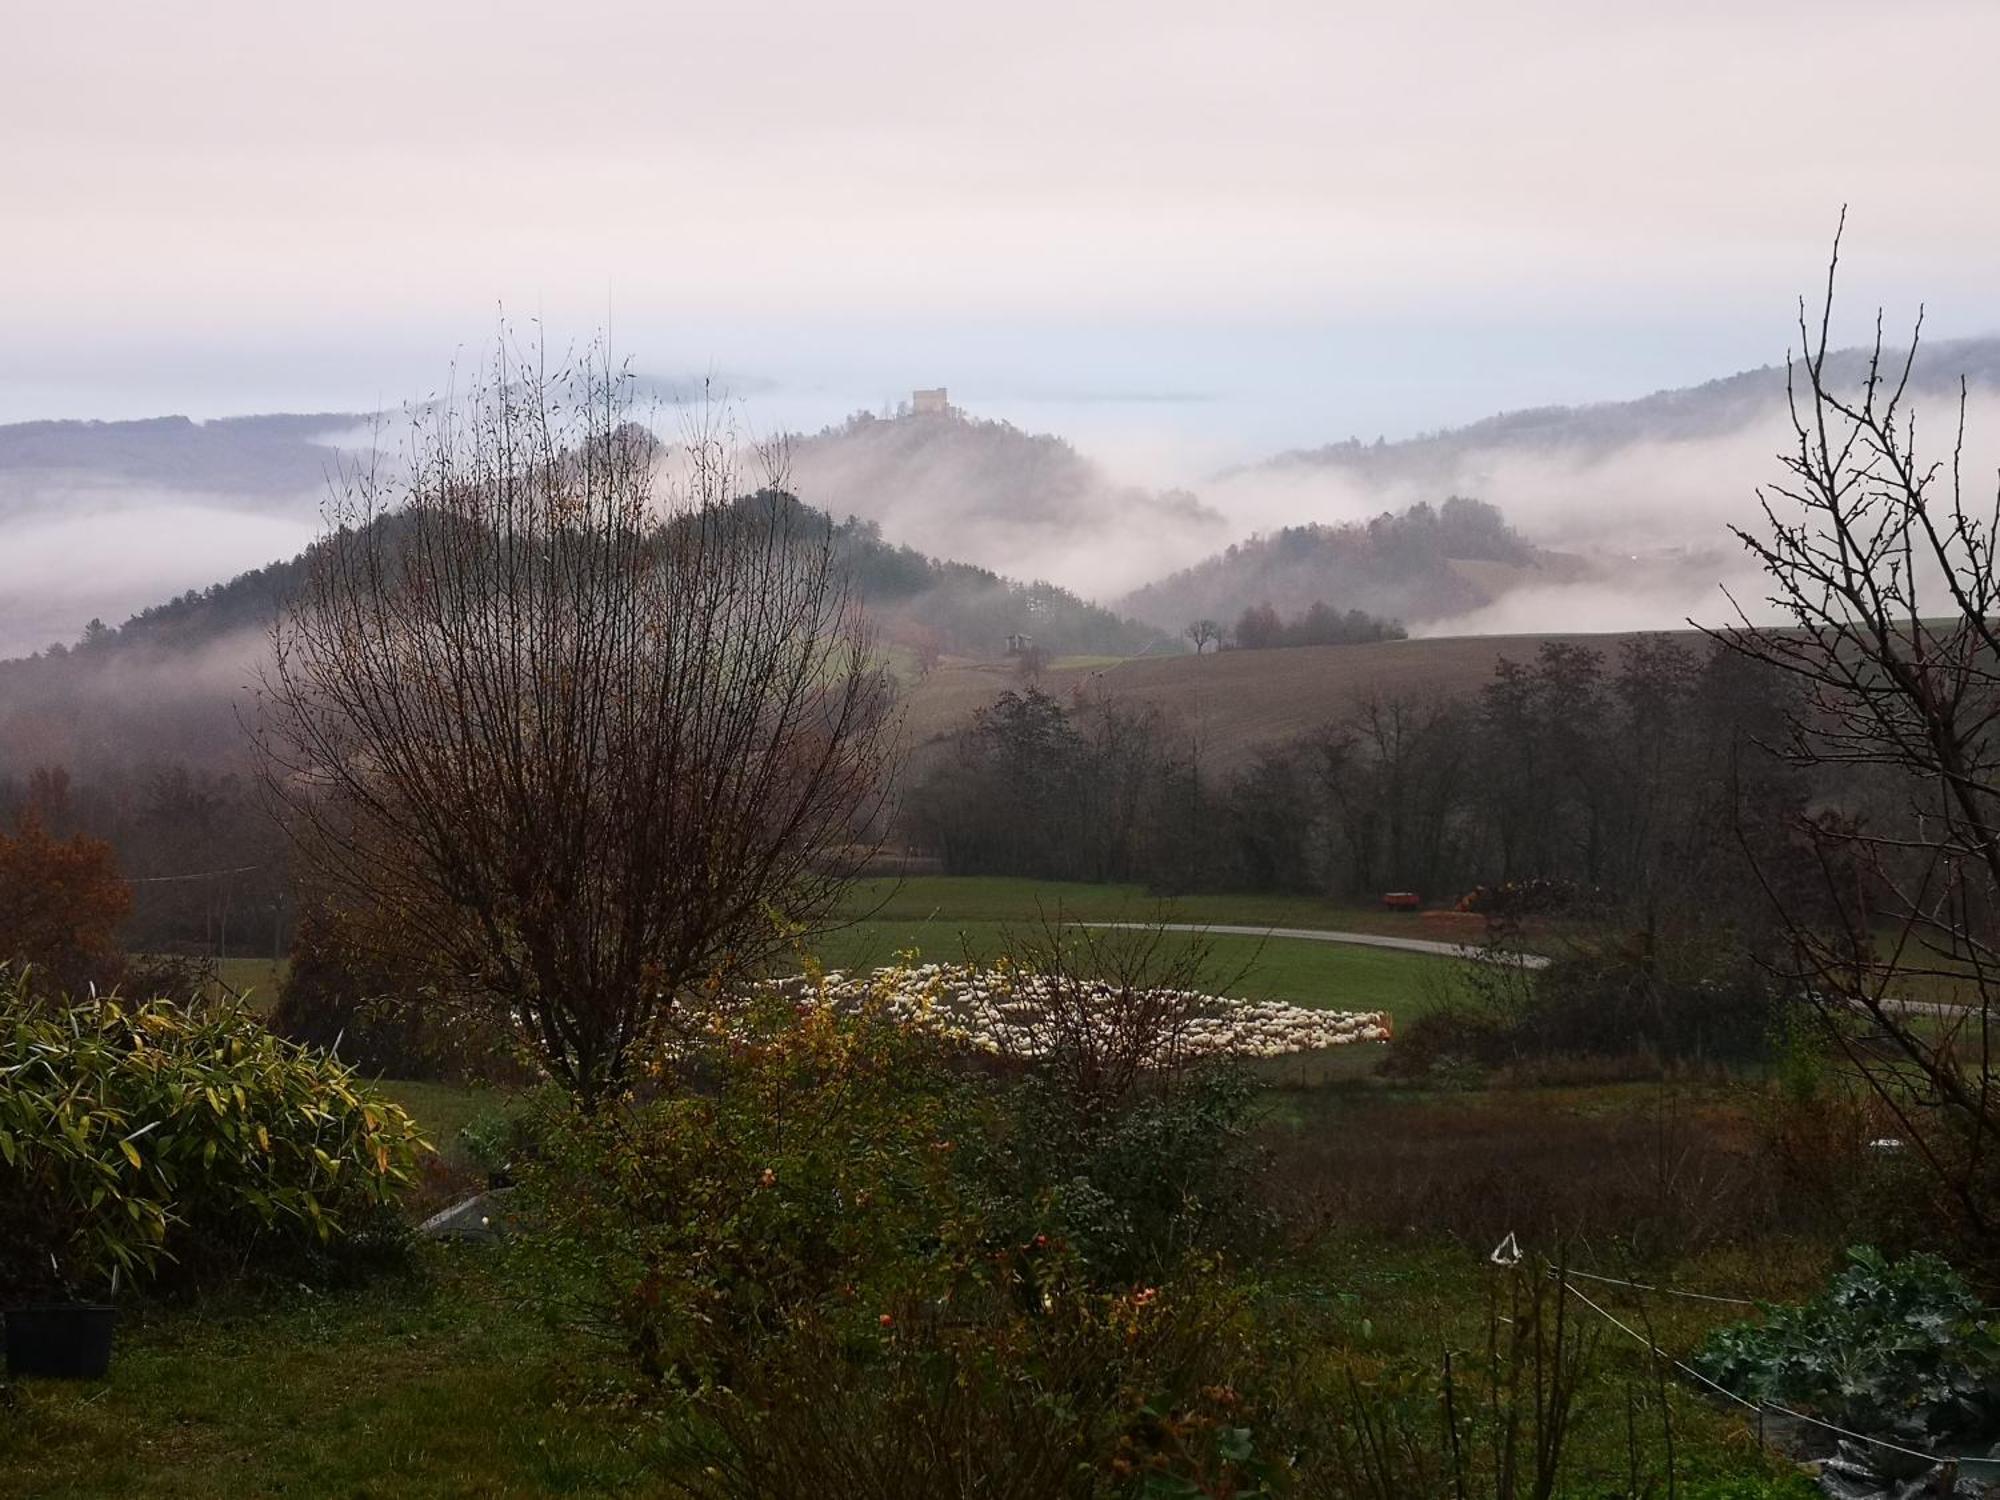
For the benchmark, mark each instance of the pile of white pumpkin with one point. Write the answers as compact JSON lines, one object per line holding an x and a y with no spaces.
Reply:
{"x":1001,"y":1011}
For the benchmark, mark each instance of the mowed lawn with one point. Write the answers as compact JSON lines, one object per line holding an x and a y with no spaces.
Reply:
{"x":945,"y":919}
{"x":999,"y":898}
{"x":429,"y":1383}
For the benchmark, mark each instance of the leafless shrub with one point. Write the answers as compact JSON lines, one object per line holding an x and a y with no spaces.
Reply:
{"x":576,"y":746}
{"x":1103,"y":1010}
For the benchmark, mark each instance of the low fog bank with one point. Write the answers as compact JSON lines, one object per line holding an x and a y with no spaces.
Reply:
{"x":1643,"y":526}
{"x":1632,"y":502}
{"x":1597,"y":606}
{"x":99,"y":520}
{"x":132,"y":705}
{"x":111,"y":551}
{"x":1028,"y":505}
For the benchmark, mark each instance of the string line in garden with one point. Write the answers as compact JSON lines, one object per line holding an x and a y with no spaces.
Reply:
{"x":1666,"y":1291}
{"x":1722,"y":1390}
{"x":194,"y":875}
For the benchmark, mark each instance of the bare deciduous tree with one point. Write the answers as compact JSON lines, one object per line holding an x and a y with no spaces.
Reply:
{"x":1204,"y":633}
{"x":1884,"y":576}
{"x":1103,"y":1011}
{"x":576,"y":747}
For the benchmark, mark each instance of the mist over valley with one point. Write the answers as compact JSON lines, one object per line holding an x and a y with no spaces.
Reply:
{"x":1612,"y":516}
{"x":1076,"y":750}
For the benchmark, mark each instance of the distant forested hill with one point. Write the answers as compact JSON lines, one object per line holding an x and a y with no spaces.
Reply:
{"x":962,"y":610}
{"x":990,"y":494}
{"x":1424,"y":563}
{"x":1693,"y":413}
{"x":168,"y":683}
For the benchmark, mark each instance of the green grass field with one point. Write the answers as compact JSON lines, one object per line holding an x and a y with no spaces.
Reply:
{"x":941,"y":917}
{"x":258,"y":978}
{"x":948,"y":918}
{"x":442,"y":1109}
{"x":995,"y":898}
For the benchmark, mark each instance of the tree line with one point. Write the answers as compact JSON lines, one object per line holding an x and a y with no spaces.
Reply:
{"x":1261,"y":628}
{"x":1637,"y":775}
{"x":205,"y":869}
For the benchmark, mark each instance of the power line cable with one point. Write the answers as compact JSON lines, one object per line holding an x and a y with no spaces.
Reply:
{"x":193,"y":875}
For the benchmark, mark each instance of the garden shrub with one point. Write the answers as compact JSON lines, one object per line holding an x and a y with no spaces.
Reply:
{"x":505,"y":1134}
{"x":1094,"y":1394}
{"x":339,"y":998}
{"x":135,"y":1134}
{"x":804,"y":1165}
{"x":813,"y":1163}
{"x":1135,"y":1189}
{"x":866,"y":1261}
{"x":1674,"y":1001}
{"x":1898,"y":1349}
{"x":856,"y":1260}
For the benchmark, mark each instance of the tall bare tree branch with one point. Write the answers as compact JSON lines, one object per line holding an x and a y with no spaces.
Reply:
{"x":1884,"y":585}
{"x":575,"y":745}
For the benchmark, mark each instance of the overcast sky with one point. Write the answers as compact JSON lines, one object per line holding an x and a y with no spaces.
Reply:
{"x":1254,"y":223}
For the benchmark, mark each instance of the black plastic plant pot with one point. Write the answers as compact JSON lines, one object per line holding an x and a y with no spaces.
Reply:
{"x":63,"y":1340}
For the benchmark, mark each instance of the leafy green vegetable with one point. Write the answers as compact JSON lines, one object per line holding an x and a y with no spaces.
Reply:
{"x":1902,"y":1349}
